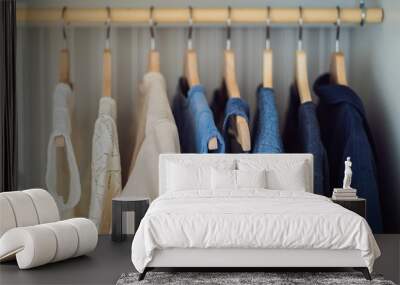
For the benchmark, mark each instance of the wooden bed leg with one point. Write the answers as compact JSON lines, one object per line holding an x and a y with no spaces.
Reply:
{"x":364,"y":271}
{"x":142,"y":275}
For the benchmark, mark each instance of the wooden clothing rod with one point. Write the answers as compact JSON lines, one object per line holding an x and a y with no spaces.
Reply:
{"x":200,"y":15}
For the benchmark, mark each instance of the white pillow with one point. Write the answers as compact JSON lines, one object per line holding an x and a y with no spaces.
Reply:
{"x":280,"y":175}
{"x":251,"y":178}
{"x":181,"y":177}
{"x":292,"y":179}
{"x":223,"y":179}
{"x":237,"y":179}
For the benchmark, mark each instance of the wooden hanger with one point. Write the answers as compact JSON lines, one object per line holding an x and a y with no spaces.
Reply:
{"x":338,"y":69}
{"x":63,"y":63}
{"x":154,"y":55}
{"x":303,"y":86}
{"x":268,"y":57}
{"x":338,"y":63}
{"x":64,"y":78}
{"x":63,"y":71}
{"x":242,"y":130}
{"x":64,"y":66}
{"x":107,"y":72}
{"x":191,"y":68}
{"x":267,"y":68}
{"x":191,"y":71}
{"x":107,"y":61}
{"x":192,"y":76}
{"x":154,"y":61}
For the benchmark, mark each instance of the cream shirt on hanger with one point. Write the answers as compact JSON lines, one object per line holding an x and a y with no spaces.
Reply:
{"x":156,"y":133}
{"x":106,"y":166}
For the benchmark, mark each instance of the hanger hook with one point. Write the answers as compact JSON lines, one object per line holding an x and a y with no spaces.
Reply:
{"x":152,"y":29}
{"x":300,"y":35}
{"x":338,"y":23}
{"x":64,"y":10}
{"x":363,"y":9}
{"x":190,"y":32}
{"x":268,"y":29}
{"x":64,"y":27}
{"x":228,"y":29}
{"x":108,"y":23}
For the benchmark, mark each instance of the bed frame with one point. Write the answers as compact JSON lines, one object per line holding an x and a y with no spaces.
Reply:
{"x":240,"y":259}
{"x":249,"y":259}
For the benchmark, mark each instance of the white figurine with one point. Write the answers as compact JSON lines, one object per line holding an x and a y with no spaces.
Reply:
{"x":347,"y":174}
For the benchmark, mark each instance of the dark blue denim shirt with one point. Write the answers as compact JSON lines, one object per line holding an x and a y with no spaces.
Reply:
{"x":302,"y":135}
{"x":195,"y":120}
{"x":266,"y":136}
{"x":224,"y":108}
{"x":345,"y":132}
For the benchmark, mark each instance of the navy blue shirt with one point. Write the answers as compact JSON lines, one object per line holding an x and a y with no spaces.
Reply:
{"x":302,"y":135}
{"x":345,"y":132}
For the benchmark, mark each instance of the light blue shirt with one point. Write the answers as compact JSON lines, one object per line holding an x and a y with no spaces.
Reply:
{"x":195,"y":121}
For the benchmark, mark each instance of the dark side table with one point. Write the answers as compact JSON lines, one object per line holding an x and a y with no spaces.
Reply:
{"x":123,"y":204}
{"x":357,"y":205}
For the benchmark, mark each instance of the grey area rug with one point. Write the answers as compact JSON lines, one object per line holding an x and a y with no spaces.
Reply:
{"x":229,"y":278}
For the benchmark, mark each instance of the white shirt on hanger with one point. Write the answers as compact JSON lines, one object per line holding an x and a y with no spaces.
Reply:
{"x":160,"y":135}
{"x":106,"y":166}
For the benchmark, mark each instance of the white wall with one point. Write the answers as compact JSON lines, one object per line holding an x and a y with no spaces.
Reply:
{"x":375,"y":74}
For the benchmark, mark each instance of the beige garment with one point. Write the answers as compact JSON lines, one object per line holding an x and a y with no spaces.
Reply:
{"x":139,"y":127}
{"x":106,"y":166}
{"x":156,"y":133}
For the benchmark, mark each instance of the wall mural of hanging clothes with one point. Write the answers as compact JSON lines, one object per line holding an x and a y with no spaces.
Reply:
{"x":62,"y":173}
{"x":345,"y":133}
{"x":131,"y":43}
{"x":302,"y":135}
{"x":38,"y":50}
{"x":225,"y":109}
{"x":160,"y":135}
{"x":106,"y":165}
{"x":195,"y":120}
{"x":266,"y":134}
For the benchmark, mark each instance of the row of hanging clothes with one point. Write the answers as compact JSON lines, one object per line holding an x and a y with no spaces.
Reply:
{"x":332,"y":130}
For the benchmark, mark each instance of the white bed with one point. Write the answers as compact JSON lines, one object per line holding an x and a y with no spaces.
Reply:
{"x":248,"y":227}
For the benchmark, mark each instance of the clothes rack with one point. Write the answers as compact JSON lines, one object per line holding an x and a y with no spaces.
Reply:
{"x":201,"y":15}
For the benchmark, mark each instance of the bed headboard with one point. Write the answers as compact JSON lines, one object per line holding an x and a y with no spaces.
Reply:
{"x":212,"y":159}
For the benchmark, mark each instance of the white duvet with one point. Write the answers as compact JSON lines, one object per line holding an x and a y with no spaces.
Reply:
{"x":251,"y":218}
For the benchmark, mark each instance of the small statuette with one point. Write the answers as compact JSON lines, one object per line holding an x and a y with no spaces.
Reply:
{"x":348,"y":173}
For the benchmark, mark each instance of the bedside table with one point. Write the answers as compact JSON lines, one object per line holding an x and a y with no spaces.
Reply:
{"x":357,"y":205}
{"x":123,"y":204}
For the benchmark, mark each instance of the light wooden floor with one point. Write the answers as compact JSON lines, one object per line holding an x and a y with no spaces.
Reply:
{"x":110,"y":260}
